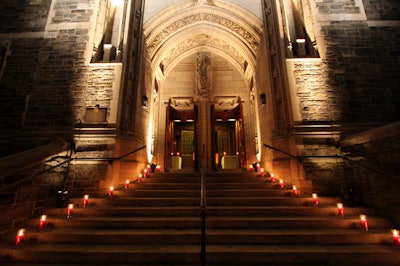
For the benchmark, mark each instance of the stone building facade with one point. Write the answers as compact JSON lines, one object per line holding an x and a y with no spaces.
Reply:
{"x":110,"y":77}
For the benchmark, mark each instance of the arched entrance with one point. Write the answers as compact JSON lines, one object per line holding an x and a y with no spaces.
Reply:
{"x":202,"y":65}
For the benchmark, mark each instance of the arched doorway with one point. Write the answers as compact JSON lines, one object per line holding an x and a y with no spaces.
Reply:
{"x":202,"y":65}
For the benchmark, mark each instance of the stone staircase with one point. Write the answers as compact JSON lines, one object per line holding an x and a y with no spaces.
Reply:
{"x":250,"y":221}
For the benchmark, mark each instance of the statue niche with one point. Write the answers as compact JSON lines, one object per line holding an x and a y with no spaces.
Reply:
{"x":203,"y":75}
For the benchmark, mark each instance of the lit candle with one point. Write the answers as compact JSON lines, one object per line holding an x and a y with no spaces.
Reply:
{"x":224,"y":153}
{"x":294,"y":191}
{"x":70,"y":210}
{"x":172,"y":154}
{"x":258,"y":167}
{"x":315,"y":198}
{"x":139,"y":178}
{"x":262,"y":172}
{"x":177,"y":154}
{"x":43,"y":221}
{"x":158,"y":168}
{"x":364,"y":221}
{"x":20,"y":237}
{"x":251,"y":169}
{"x":145,"y":173}
{"x":111,"y":191}
{"x":85,"y":201}
{"x":281,"y":184}
{"x":127,"y":184}
{"x":272,"y":179}
{"x":148,"y":168}
{"x":395,"y":236}
{"x":340,"y":209}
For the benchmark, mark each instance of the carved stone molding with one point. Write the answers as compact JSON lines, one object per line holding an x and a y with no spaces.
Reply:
{"x":226,"y":101}
{"x":251,"y":40}
{"x":181,"y":102}
{"x":201,"y":40}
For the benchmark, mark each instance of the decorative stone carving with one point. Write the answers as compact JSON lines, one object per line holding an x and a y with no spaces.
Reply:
{"x":155,"y":42}
{"x":201,"y":40}
{"x":204,"y":75}
{"x":181,"y":102}
{"x":226,"y":101}
{"x":203,"y":2}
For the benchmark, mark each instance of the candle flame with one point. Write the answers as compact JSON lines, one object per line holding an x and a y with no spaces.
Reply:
{"x":21,"y":232}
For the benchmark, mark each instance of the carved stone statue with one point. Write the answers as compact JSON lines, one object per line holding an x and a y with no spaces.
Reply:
{"x":204,"y":74}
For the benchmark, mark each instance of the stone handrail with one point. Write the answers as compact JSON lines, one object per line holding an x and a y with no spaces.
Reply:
{"x":20,"y":161}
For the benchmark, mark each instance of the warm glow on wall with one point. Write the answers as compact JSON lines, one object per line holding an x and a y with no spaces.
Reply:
{"x":117,"y":2}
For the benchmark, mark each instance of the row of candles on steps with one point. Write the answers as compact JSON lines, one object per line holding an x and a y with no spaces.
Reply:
{"x":340,"y":208}
{"x":70,"y":209}
{"x":43,"y":221}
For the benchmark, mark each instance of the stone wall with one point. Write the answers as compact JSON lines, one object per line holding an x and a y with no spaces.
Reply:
{"x":377,"y":185}
{"x":23,"y":16}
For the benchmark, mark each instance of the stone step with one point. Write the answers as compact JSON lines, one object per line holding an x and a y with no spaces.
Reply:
{"x":267,"y":201}
{"x":87,"y":236}
{"x":297,"y":236}
{"x":242,"y":186}
{"x":284,"y":211}
{"x":167,"y":186}
{"x":214,"y":236}
{"x":109,"y":222}
{"x":104,"y":254}
{"x":300,"y":222}
{"x":173,"y":179}
{"x":142,"y":201}
{"x":114,"y":211}
{"x":158,"y":193}
{"x":302,"y":255}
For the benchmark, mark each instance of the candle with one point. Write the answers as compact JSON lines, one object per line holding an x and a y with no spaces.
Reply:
{"x":145,"y":173}
{"x":177,"y":154}
{"x":294,"y":191}
{"x":364,"y":221}
{"x":262,"y":172}
{"x":70,"y":210}
{"x":224,"y":153}
{"x":158,"y":168}
{"x":395,"y":236}
{"x":258,"y":167}
{"x":272,"y":179}
{"x":127,"y":184}
{"x":340,"y":209}
{"x":315,"y":198}
{"x":251,"y":169}
{"x":43,"y":221}
{"x":20,"y":237}
{"x":281,"y":184}
{"x":111,"y":191}
{"x":139,"y":178}
{"x":85,"y":201}
{"x":148,"y":168}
